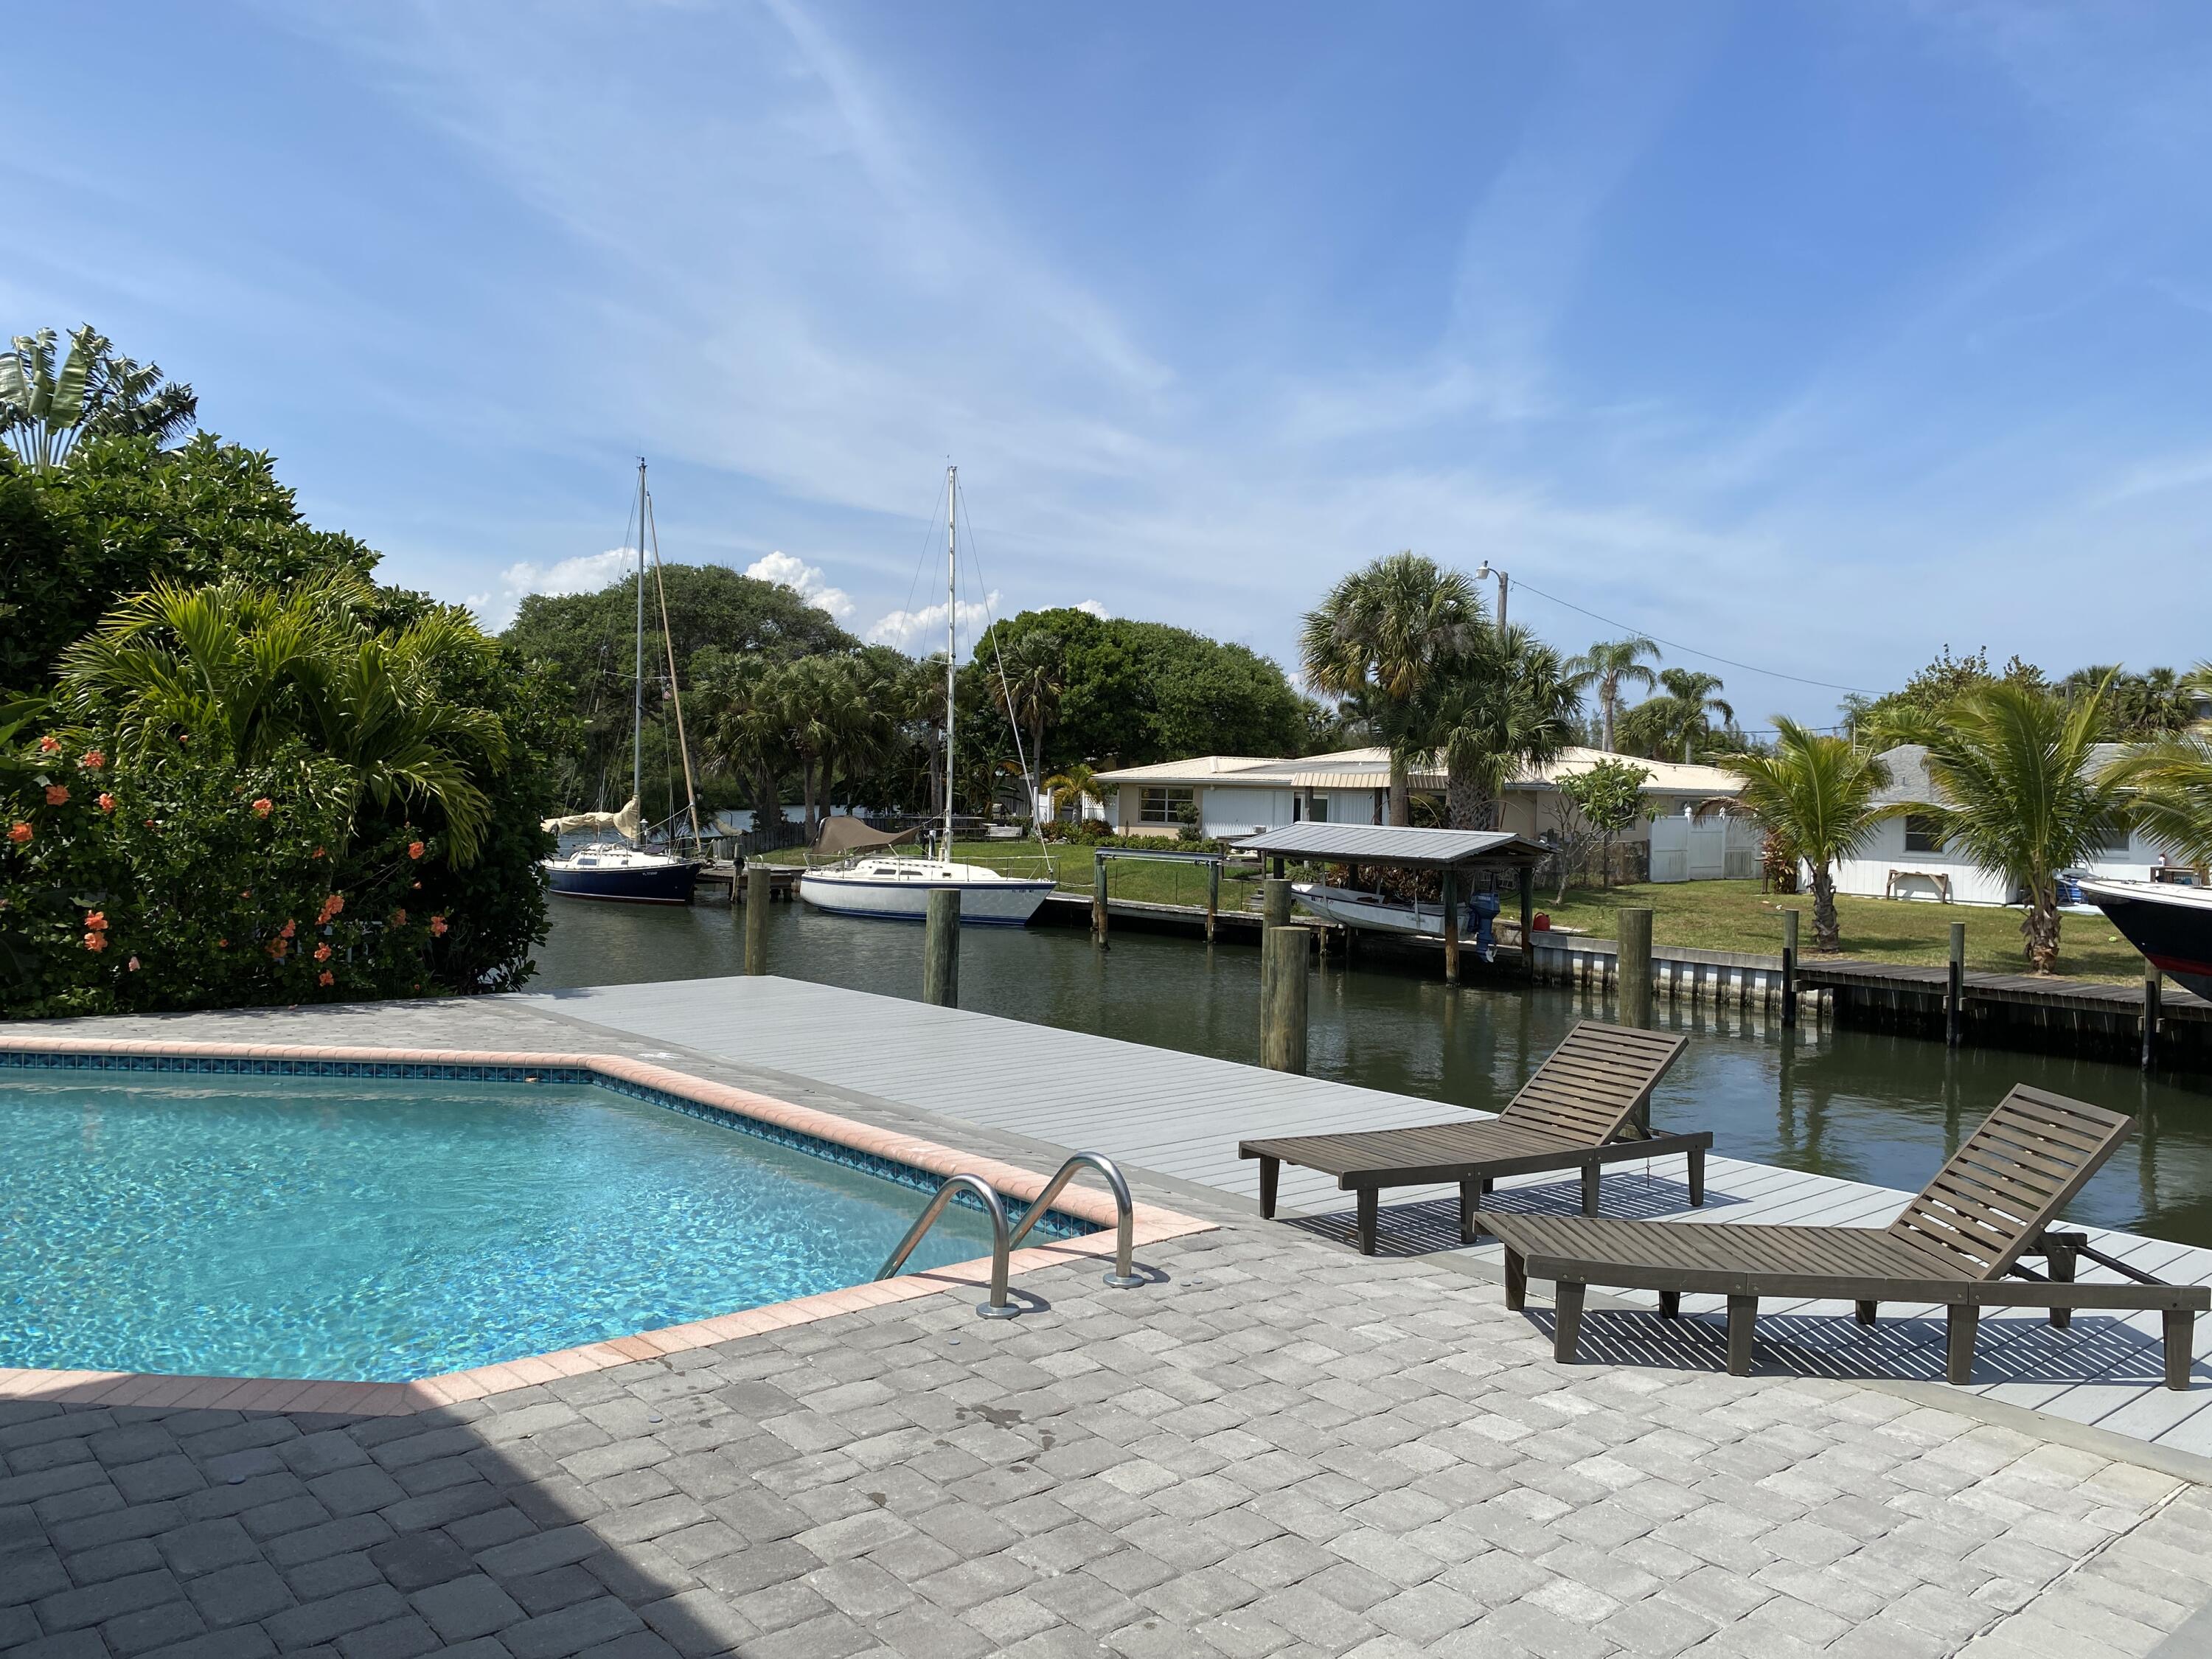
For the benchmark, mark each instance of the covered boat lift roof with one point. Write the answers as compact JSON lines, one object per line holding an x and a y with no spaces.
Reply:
{"x":1404,"y":848}
{"x":1452,"y":852}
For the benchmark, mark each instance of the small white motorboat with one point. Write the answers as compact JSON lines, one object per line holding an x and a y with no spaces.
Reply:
{"x":1377,"y":912}
{"x":897,"y":888}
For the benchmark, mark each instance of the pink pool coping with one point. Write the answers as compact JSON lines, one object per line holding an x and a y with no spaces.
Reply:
{"x":353,"y":1399}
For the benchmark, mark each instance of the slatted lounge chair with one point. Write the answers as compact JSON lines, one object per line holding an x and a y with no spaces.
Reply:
{"x":1953,"y":1244}
{"x":1587,"y":1106}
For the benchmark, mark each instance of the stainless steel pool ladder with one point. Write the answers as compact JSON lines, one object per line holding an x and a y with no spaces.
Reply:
{"x":1003,"y":1239}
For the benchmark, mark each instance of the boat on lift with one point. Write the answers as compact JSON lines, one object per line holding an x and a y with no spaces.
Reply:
{"x":622,"y":867}
{"x":1350,"y":907}
{"x":872,"y":881}
{"x":2170,"y":924}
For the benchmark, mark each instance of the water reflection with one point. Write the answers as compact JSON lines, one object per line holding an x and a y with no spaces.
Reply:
{"x":1866,"y":1106}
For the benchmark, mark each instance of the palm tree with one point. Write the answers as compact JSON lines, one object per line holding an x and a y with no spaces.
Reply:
{"x":1815,"y":794}
{"x":46,"y":410}
{"x":1382,"y":632}
{"x":1679,"y":718}
{"x":746,"y":730}
{"x":1505,"y":705}
{"x":1032,"y":674}
{"x":1608,"y":665}
{"x":2169,"y":781}
{"x":2011,"y":763}
{"x":252,"y":671}
{"x":1077,"y":783}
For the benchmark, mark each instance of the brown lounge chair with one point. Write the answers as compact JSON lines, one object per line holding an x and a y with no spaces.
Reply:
{"x":1953,"y":1244}
{"x":1588,"y":1105}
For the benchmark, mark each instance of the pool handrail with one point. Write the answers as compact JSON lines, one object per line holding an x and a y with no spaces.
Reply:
{"x":1124,"y":1276}
{"x":997,"y":1307}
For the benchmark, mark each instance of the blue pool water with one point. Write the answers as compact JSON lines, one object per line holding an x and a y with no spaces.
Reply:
{"x":381,"y":1229}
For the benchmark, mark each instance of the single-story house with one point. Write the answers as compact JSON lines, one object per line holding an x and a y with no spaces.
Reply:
{"x":1236,"y":795}
{"x":1903,"y":860}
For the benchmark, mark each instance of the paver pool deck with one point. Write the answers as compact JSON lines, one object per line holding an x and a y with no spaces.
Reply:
{"x":1278,"y":1448}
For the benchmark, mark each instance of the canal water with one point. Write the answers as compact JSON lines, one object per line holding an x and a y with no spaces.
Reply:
{"x":1864,"y":1106}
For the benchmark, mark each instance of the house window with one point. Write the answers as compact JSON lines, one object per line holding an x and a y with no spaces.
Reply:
{"x":1319,"y":813}
{"x":1923,"y":833}
{"x":2113,"y":839}
{"x":1165,"y":805}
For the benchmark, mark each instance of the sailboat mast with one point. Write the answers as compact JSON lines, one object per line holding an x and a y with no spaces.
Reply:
{"x":637,"y":682}
{"x":951,"y":634}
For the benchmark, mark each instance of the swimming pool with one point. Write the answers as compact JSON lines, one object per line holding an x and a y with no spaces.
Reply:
{"x":381,"y":1229}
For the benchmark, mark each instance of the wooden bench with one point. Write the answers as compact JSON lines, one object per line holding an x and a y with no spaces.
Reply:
{"x":1587,"y":1106}
{"x":1953,"y":1245}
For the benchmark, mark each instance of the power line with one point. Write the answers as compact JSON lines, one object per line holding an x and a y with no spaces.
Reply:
{"x":1677,"y":645}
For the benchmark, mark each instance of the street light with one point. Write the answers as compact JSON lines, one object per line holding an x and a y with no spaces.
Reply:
{"x":1485,"y":575}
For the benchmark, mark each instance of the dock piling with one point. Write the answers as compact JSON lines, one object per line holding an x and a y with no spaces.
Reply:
{"x":940,"y":958}
{"x":1276,"y":911}
{"x":2153,"y":993}
{"x":1954,"y":989}
{"x":1283,"y":999}
{"x":1212,"y":898}
{"x":1528,"y":921}
{"x":760,"y":881}
{"x":1633,"y":971}
{"x":1451,"y":926}
{"x":1790,"y":966}
{"x":1098,"y":901}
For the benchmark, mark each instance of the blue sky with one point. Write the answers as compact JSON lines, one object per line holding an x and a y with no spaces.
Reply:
{"x":1816,"y":337}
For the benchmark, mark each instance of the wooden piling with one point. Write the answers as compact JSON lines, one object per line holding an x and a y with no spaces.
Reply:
{"x":1451,"y":926}
{"x":760,"y":882}
{"x":1283,"y":999}
{"x":1276,"y":909}
{"x":1212,"y":898}
{"x":940,"y":949}
{"x":1954,"y":989}
{"x":1528,"y":921}
{"x":2153,"y":990}
{"x":1633,"y":966}
{"x":1098,"y":901}
{"x":1789,"y":967}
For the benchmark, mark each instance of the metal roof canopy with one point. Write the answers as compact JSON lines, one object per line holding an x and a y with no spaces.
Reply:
{"x":1408,"y":848}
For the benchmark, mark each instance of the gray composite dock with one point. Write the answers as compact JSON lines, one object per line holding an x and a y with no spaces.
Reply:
{"x":1182,"y":1115}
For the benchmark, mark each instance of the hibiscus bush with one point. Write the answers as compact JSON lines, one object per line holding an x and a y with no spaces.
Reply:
{"x":167,"y":882}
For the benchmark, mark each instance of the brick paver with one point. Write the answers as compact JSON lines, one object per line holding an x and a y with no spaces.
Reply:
{"x":1282,"y":1450}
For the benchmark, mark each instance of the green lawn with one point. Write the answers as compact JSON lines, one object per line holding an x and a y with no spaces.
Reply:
{"x":1734,"y":916}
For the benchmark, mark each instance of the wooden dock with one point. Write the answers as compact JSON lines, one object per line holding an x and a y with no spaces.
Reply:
{"x":1180,"y":1117}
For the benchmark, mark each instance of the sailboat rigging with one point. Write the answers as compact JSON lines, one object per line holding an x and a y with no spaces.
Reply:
{"x":625,"y":869}
{"x":896,"y":887}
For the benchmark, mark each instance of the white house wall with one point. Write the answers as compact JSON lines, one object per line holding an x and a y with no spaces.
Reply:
{"x":1869,"y":873}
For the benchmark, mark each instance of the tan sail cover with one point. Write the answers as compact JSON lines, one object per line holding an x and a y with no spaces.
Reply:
{"x":843,"y":833}
{"x":624,"y":823}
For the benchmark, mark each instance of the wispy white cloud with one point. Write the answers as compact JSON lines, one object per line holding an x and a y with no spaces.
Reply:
{"x":807,"y":581}
{"x":922,"y":631}
{"x":586,"y":574}
{"x":1095,"y":609}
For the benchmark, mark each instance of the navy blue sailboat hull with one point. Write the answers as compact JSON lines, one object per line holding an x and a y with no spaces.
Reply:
{"x":669,"y":884}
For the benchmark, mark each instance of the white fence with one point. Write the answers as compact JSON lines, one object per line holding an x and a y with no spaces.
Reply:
{"x":1722,"y":848}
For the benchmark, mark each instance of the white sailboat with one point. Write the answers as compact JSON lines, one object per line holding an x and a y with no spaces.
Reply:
{"x":896,"y":887}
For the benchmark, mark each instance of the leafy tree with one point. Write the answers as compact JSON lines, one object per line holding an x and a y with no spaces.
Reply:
{"x":1677,"y":722}
{"x":1815,"y":794}
{"x":589,"y":641}
{"x":1606,"y":668}
{"x":1930,"y":692}
{"x":1606,"y":796}
{"x":1384,"y":631}
{"x":46,"y":410}
{"x":123,"y":516}
{"x":1139,"y":692}
{"x":2011,"y":765}
{"x":1503,"y":704}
